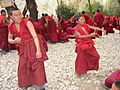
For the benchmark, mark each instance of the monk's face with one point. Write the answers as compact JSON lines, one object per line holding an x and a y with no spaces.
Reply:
{"x":16,"y":16}
{"x":81,"y":20}
{"x":3,"y":13}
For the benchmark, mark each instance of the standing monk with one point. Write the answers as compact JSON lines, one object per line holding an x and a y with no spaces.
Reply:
{"x":88,"y":20}
{"x":32,"y":52}
{"x":98,"y":19}
{"x":87,"y":56}
{"x":4,"y":31}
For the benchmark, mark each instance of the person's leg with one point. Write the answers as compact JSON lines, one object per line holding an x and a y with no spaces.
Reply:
{"x":39,"y":87}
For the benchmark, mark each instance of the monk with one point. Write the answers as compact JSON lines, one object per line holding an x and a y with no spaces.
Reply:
{"x":51,"y":28}
{"x":42,"y":23}
{"x":70,"y":27}
{"x":32,"y":51}
{"x":62,"y":35}
{"x":118,"y":25}
{"x":114,"y":21}
{"x":111,"y":79}
{"x":98,"y":19}
{"x":4,"y":31}
{"x":107,"y":25}
{"x":116,"y":85}
{"x":88,"y":19}
{"x":87,"y":56}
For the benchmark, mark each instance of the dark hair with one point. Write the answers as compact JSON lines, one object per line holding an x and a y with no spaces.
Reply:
{"x":98,"y":10}
{"x":78,"y":16}
{"x":46,"y":14}
{"x":83,"y":12}
{"x":58,"y":15}
{"x":43,"y":14}
{"x":117,"y":84}
{"x":12,"y":9}
{"x":2,"y":11}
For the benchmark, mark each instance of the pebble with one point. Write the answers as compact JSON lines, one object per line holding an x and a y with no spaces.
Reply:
{"x":60,"y":66}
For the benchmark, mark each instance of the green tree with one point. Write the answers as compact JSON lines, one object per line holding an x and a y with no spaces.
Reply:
{"x":113,"y":8}
{"x":94,"y":6}
{"x":65,"y":11}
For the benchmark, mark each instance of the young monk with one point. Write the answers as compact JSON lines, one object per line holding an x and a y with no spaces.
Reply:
{"x":98,"y":19}
{"x":87,"y":56}
{"x":62,"y":26}
{"x":32,"y":52}
{"x":4,"y":31}
{"x":116,"y":85}
{"x":111,"y":79}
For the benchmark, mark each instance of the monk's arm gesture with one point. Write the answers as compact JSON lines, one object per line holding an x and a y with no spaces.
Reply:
{"x":15,"y":41}
{"x":85,"y":36}
{"x":96,"y":28}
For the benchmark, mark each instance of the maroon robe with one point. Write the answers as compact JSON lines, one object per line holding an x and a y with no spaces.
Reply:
{"x":52,"y":29}
{"x":71,"y":23}
{"x":38,"y":27}
{"x":108,"y":25}
{"x":98,"y":19}
{"x":87,"y":56}
{"x":30,"y":70}
{"x":112,"y":78}
{"x":118,"y":24}
{"x":45,"y":33}
{"x":88,"y":19}
{"x":62,"y":35}
{"x":114,"y":21}
{"x":3,"y":34}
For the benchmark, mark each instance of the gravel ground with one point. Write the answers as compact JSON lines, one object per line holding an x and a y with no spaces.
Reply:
{"x":60,"y":66}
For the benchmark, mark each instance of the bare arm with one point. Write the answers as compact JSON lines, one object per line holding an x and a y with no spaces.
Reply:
{"x":84,"y":36}
{"x":96,"y":28}
{"x":15,"y":41}
{"x":35,"y":37}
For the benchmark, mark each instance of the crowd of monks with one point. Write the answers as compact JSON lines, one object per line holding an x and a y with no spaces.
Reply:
{"x":61,"y":30}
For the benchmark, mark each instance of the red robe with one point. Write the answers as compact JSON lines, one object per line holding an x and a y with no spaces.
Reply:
{"x":99,"y":18}
{"x":118,"y":24}
{"x":112,"y":78}
{"x":114,"y":21}
{"x":87,"y":56}
{"x":62,"y":35}
{"x":30,"y":70}
{"x":45,"y":33}
{"x":52,"y":29}
{"x":71,"y":24}
{"x":38,"y":27}
{"x":88,"y":19}
{"x":3,"y":34}
{"x":108,"y":25}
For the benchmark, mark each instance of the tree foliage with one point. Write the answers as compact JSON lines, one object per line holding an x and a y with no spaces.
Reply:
{"x":113,"y":8}
{"x":95,"y":6}
{"x":65,"y":11}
